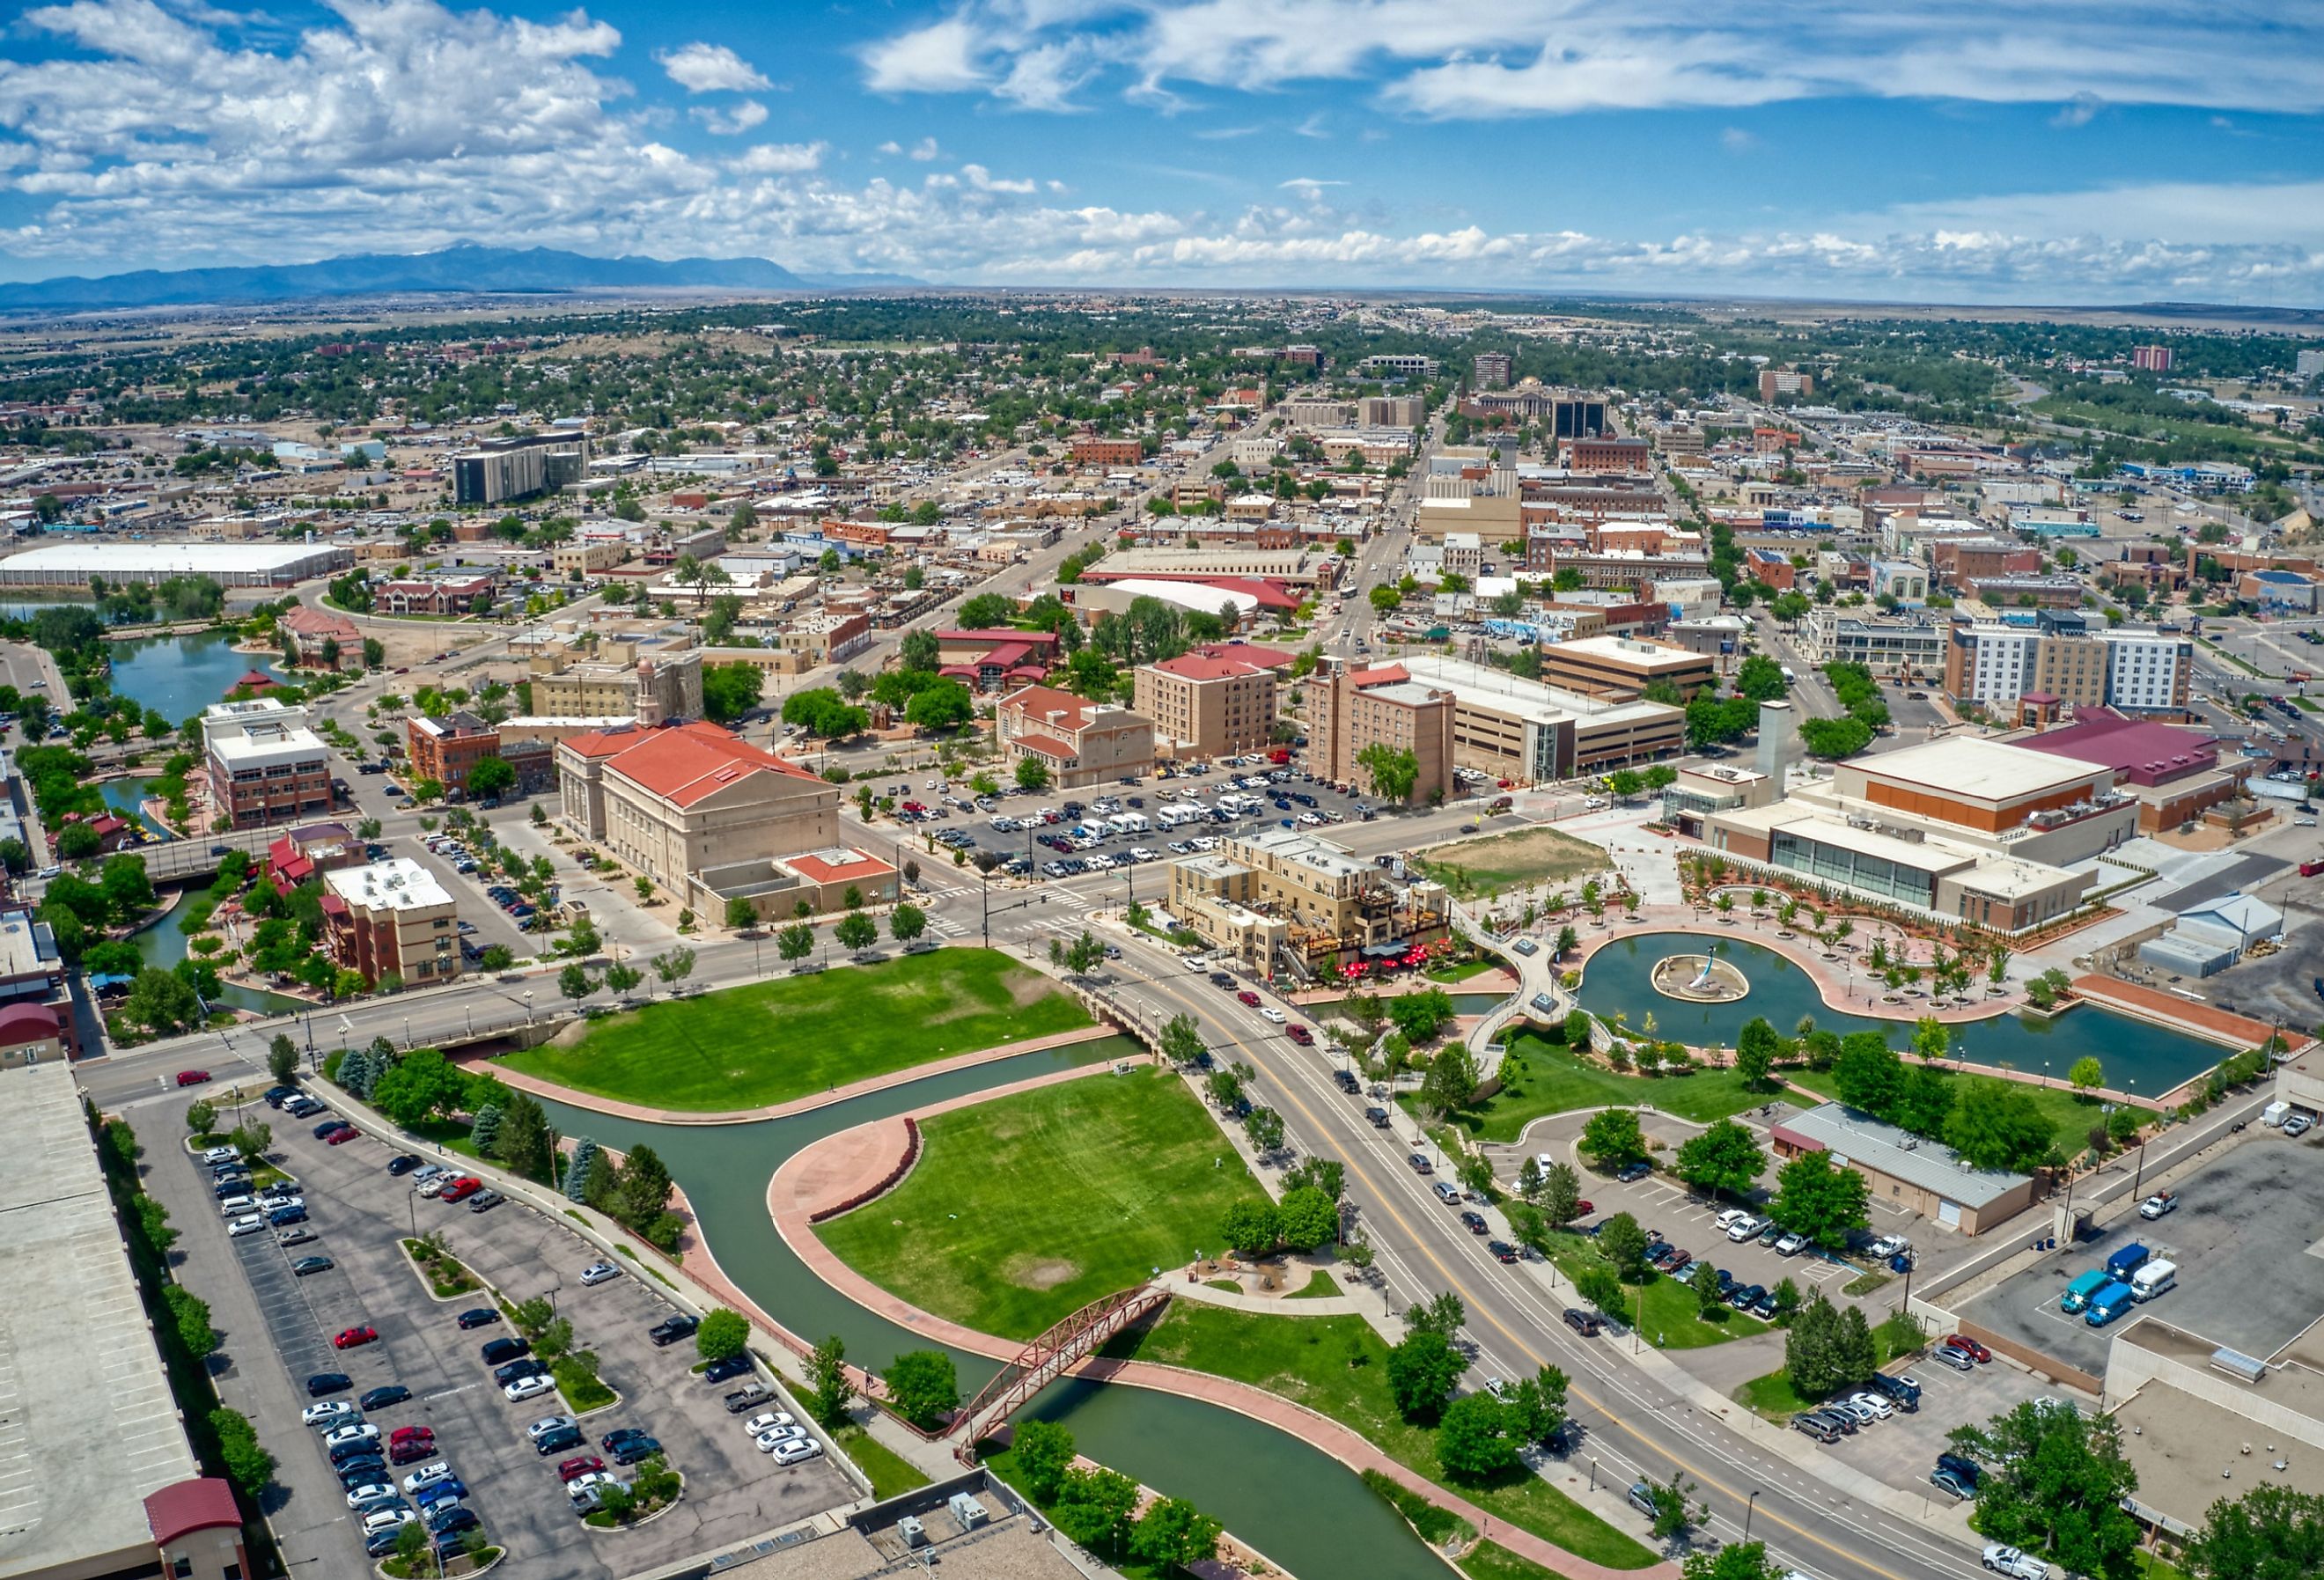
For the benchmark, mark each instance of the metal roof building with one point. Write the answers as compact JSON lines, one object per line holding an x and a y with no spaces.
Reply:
{"x":233,"y":565}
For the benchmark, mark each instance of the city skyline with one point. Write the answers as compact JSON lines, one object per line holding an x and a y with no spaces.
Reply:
{"x":1972,"y":155}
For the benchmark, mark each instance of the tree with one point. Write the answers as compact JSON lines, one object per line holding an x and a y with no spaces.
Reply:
{"x":1626,"y":783}
{"x":795,"y":942}
{"x":1724,"y":1160}
{"x":421,"y":1085}
{"x":1760,"y":679}
{"x":1537,"y":1406}
{"x":1818,"y":1198}
{"x":1442,"y":1313}
{"x":730,"y":690}
{"x":1394,"y":771}
{"x":574,"y":983}
{"x":2053,"y":1485}
{"x":1044,"y":1452}
{"x":1420,"y":1016}
{"x":723,"y":1332}
{"x":281,"y":1058}
{"x":943,"y":707}
{"x":1673,"y":1515}
{"x":525,"y":1143}
{"x":128,"y":891}
{"x":1474,"y":1441}
{"x":1451,"y":1083}
{"x":2087,"y":1076}
{"x":987,"y":611}
{"x":1306,"y":1218}
{"x":1181,"y":1040}
{"x":1097,"y":1508}
{"x":1931,"y":1039}
{"x":827,"y":1369}
{"x":1561,"y":1193}
{"x":907,"y":922}
{"x":673,"y":966}
{"x":1175,"y":1534}
{"x":1868,"y":1074}
{"x":1612,"y":1137}
{"x":1756,"y":1047}
{"x":247,"y":1462}
{"x":1251,"y":1228}
{"x":1737,"y":1560}
{"x":1623,"y":1244}
{"x":741,"y":914}
{"x":2269,"y":1533}
{"x":1998,"y":1124}
{"x":1600,"y":1286}
{"x":922,"y":1386}
{"x":191,"y":1317}
{"x":1421,"y":1373}
{"x":489,"y":777}
{"x":856,"y":931}
{"x":200,"y":1115}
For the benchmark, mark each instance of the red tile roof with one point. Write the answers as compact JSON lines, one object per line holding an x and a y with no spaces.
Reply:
{"x":1273,"y":658}
{"x":1385,"y":674}
{"x":1046,"y":745}
{"x":1207,"y":666}
{"x":684,"y":764}
{"x":817,"y":870}
{"x":199,"y":1504}
{"x":1047,"y":705}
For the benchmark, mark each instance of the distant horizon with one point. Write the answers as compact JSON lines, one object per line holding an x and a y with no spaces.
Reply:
{"x":1980,"y":155}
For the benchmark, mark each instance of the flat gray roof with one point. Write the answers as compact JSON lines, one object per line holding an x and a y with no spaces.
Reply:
{"x":94,"y":1427}
{"x":1931,"y":1166}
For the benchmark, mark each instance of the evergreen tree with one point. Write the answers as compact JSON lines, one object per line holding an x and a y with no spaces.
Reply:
{"x":485,"y":1127}
{"x":577,"y":1170}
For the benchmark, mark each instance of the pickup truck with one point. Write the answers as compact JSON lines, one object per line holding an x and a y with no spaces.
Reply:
{"x":2160,"y":1203}
{"x":747,"y":1398}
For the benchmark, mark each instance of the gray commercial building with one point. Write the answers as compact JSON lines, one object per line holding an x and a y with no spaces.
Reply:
{"x":519,"y":466}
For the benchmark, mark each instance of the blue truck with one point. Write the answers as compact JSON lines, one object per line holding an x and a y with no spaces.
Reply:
{"x":2108,"y":1304}
{"x":2126,"y":1261}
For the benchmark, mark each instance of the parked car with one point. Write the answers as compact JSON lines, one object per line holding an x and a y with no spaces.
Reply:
{"x":1952,"y":1485}
{"x":348,"y":1338}
{"x":580,"y":1464}
{"x":334,"y":1413}
{"x":799,"y":1451}
{"x":532,"y":1387}
{"x":672,"y":1328}
{"x":323,"y":1383}
{"x":599,"y":1272}
{"x":2160,"y":1203}
{"x":1977,"y":1351}
{"x":2015,"y":1565}
{"x":1959,"y":1360}
{"x":1961,"y":1466}
{"x":732,"y":1367}
{"x":1815,"y":1426}
{"x":1634,"y":1171}
{"x":311,"y":1264}
{"x":507,"y":1347}
{"x":479,"y":1316}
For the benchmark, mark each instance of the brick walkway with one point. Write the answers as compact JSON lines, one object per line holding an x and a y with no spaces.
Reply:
{"x":541,"y":1087}
{"x":839,"y":1166}
{"x":2204,"y":1021}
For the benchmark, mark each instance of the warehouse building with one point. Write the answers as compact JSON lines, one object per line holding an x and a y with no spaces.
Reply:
{"x":230,"y":565}
{"x":1907,"y":1172}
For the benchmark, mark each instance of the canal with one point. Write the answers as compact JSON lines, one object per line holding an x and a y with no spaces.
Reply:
{"x":1299,"y":1506}
{"x":2138,"y":1058}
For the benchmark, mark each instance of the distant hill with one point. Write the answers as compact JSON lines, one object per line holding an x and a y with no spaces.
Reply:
{"x":467,"y":268}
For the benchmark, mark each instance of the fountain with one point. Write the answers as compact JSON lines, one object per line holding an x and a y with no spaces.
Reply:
{"x":1699,"y":979}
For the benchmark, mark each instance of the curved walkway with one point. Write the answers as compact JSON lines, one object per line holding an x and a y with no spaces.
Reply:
{"x":595,"y":1104}
{"x":843,"y":1165}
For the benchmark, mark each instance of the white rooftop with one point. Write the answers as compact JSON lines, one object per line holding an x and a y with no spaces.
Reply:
{"x":1988,"y":771}
{"x":212,"y":558}
{"x":398,"y":884}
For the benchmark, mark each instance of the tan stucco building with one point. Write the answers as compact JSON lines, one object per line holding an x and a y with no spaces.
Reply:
{"x":1080,"y":742}
{"x":677,"y":801}
{"x":1212,"y":702}
{"x":1281,"y":890}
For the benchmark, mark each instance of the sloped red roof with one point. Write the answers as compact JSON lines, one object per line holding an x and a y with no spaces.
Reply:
{"x":817,"y":870}
{"x":199,"y":1504}
{"x":1385,"y":674}
{"x":1213,"y":665}
{"x":20,"y":1023}
{"x":683,"y":764}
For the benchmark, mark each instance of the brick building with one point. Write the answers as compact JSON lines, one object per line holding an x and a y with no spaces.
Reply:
{"x":1212,"y":702}
{"x":266,"y":764}
{"x":446,"y":749}
{"x":1080,"y":743}
{"x":391,"y":918}
{"x":1107,"y":452}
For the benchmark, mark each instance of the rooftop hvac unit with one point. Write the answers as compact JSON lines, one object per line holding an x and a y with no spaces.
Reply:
{"x":967,"y":1511}
{"x":2237,"y":1364}
{"x":912,"y":1533}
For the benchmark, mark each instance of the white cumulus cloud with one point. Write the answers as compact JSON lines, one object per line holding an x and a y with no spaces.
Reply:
{"x":700,"y":67}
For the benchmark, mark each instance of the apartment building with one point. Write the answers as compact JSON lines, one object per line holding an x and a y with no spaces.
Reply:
{"x":1395,"y":365}
{"x":1350,"y":711}
{"x":2148,"y":671}
{"x":1215,"y":701}
{"x":1523,"y":730}
{"x":321,"y":638}
{"x":1280,"y":897}
{"x":2151,"y":358}
{"x":1784,"y":381}
{"x":1090,"y":451}
{"x":519,"y":466}
{"x":680,"y":799}
{"x":1391,"y":412}
{"x":2058,"y":660}
{"x":659,"y":687}
{"x":391,"y":918}
{"x":266,"y":763}
{"x":1610,"y":455}
{"x":446,"y":749}
{"x":1884,"y":647}
{"x":1490,"y":370}
{"x":1620,"y":668}
{"x":1080,"y":743}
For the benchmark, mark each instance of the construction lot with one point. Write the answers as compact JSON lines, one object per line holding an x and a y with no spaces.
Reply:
{"x":2244,"y":1238}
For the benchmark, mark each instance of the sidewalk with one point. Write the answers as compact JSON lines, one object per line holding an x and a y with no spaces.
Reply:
{"x":540,"y":1088}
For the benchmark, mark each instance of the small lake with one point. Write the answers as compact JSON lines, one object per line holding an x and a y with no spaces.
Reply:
{"x":163,"y":946}
{"x":2138,"y":1058}
{"x":180,"y":676}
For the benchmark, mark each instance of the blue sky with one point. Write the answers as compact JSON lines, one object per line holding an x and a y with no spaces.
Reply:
{"x":1978,"y":150}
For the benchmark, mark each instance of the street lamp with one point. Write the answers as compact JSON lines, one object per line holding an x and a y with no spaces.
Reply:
{"x":1750,"y":1504}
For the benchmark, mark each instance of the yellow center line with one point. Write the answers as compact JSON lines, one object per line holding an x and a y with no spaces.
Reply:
{"x":1421,"y":1244}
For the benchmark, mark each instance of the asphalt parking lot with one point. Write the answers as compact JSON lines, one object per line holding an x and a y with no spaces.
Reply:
{"x":359,"y":1214}
{"x":2251,"y":1270}
{"x":1903,"y":1450}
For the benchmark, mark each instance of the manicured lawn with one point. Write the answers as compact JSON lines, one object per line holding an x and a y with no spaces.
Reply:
{"x":2072,"y":1115}
{"x":891,"y":1475}
{"x":1553,"y":1081}
{"x":1671,"y":1319}
{"x":1773,"y":1396}
{"x":1461,"y":971}
{"x":1322,"y":1287}
{"x":1338,"y":1365}
{"x":749,"y":1047}
{"x":1487,"y":1562}
{"x":1504,"y":861}
{"x":1024,"y":1209}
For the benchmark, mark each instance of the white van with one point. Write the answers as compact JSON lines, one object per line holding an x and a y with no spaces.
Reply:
{"x":2153,"y":1280}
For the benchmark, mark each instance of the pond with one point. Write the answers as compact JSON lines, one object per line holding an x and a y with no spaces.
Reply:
{"x":2138,"y":1058}
{"x":178,"y":676}
{"x":163,"y":946}
{"x":127,"y":797}
{"x":1302,"y":1507}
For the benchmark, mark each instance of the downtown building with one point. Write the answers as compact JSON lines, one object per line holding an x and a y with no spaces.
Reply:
{"x":266,"y":763}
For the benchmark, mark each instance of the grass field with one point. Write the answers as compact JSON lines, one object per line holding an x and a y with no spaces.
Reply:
{"x":891,"y":1475}
{"x":770,"y":1042}
{"x":1024,"y":1209}
{"x":1338,"y":1366}
{"x":1553,"y":1081}
{"x":2072,"y":1115}
{"x":1489,"y":1562}
{"x":1505,"y":861}
{"x":1461,"y":971}
{"x":1773,"y":1396}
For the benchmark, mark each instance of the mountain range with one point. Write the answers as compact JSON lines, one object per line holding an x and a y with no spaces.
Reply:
{"x":466,"y":268}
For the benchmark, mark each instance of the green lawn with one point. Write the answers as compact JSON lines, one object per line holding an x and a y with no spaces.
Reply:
{"x":749,"y":1047}
{"x":1322,"y":1287}
{"x":1487,"y":1562}
{"x":891,"y":1474}
{"x":1024,"y":1209}
{"x":1773,"y":1396}
{"x":1338,"y":1366}
{"x":1461,"y":970}
{"x":1672,"y":1318}
{"x":1541,"y":1077}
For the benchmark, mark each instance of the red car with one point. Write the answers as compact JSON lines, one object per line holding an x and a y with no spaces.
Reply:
{"x":1248,"y":997}
{"x":1300,"y":1034}
{"x":579,"y":1464}
{"x":1583,"y":1209}
{"x":412,"y":1434}
{"x":339,"y":1137}
{"x":1968,"y":1346}
{"x":193,"y":1077}
{"x":355,"y":1339}
{"x":461,"y":1189}
{"x":412,"y":1452}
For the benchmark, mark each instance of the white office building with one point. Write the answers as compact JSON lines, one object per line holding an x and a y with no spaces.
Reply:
{"x":2003,"y":668}
{"x":2147,"y":672}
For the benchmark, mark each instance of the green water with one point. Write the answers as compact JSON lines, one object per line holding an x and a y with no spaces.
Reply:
{"x":2138,"y":1058}
{"x":1302,"y":1507}
{"x":163,"y":946}
{"x":180,"y":676}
